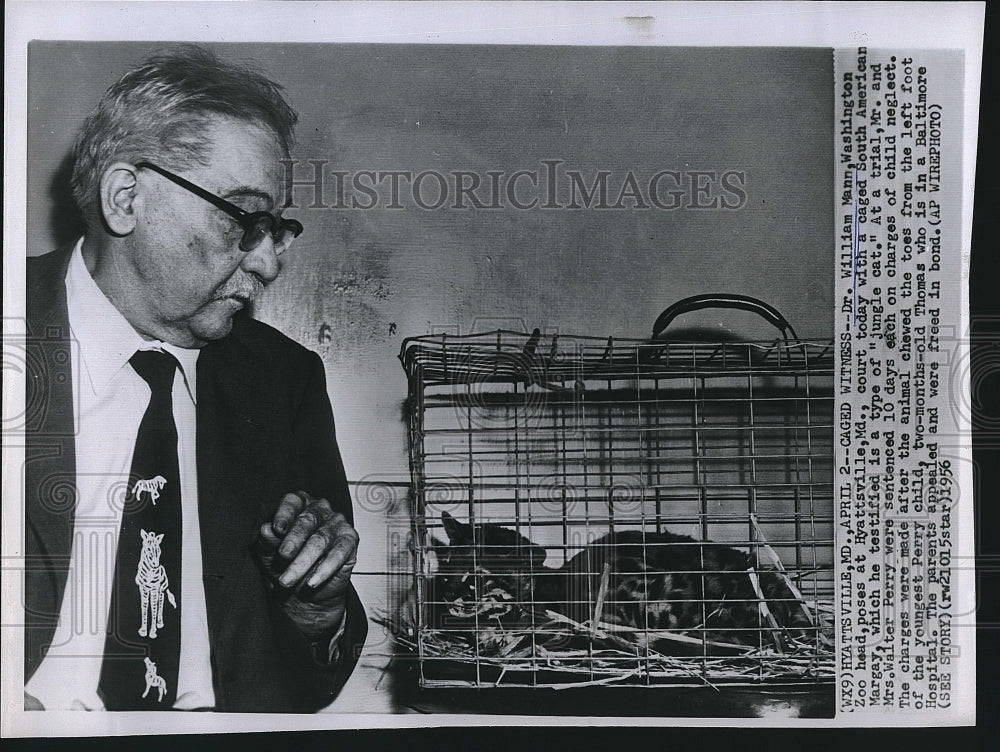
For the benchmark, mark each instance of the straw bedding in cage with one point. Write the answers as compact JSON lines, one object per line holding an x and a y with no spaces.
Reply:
{"x":618,"y":654}
{"x":559,"y":652}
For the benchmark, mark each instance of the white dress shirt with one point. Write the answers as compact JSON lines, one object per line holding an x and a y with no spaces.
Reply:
{"x":110,"y":399}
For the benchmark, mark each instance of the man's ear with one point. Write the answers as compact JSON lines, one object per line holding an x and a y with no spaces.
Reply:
{"x":119,"y":198}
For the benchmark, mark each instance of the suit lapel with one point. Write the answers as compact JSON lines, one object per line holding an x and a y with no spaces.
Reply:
{"x":50,"y":493}
{"x":232,"y":429}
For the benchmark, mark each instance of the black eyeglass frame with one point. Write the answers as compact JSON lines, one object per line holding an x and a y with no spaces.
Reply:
{"x":249,"y":221}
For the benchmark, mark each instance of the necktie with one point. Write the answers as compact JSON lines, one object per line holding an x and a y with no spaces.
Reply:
{"x":142,"y":648}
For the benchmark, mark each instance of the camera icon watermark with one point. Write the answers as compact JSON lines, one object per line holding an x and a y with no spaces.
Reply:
{"x":40,"y":365}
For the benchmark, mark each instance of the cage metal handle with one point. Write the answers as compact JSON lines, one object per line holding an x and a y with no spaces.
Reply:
{"x":723,"y":300}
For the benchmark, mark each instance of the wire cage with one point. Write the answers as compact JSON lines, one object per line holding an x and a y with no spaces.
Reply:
{"x":594,"y":510}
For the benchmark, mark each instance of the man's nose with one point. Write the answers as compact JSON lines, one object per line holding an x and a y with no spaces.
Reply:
{"x":262,"y":261}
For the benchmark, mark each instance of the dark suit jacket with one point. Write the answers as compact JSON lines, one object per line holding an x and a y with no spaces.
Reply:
{"x":264,"y":428}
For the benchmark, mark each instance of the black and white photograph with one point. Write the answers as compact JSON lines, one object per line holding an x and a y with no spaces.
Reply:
{"x":375,"y":376}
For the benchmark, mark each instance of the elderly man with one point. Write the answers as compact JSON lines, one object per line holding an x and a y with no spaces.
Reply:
{"x":189,"y":531}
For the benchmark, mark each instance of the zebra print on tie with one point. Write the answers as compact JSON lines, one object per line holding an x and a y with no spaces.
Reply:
{"x":142,"y":648}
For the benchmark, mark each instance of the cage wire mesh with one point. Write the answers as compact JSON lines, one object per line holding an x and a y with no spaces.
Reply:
{"x":607,"y":511}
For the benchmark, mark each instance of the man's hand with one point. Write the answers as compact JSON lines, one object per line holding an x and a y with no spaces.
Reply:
{"x":310,"y":552}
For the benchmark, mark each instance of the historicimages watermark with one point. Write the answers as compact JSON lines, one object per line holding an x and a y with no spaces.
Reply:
{"x":549,"y":185}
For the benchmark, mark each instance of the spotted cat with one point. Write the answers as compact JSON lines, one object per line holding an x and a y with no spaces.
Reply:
{"x":484,"y":578}
{"x":491,"y":577}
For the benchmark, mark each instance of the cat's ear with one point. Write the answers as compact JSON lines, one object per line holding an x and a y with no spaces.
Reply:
{"x":457,"y":531}
{"x":528,"y":553}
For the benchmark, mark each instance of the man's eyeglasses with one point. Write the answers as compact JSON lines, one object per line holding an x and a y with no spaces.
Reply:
{"x":256,"y":225}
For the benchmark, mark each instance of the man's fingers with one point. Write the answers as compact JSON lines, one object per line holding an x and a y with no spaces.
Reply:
{"x":308,"y":521}
{"x":323,"y":555}
{"x":316,"y":542}
{"x":269,"y":538}
{"x":343,"y":553}
{"x":311,"y":552}
{"x":288,"y":509}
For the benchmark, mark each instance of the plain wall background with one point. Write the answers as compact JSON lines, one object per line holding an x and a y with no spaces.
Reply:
{"x":358,"y":282}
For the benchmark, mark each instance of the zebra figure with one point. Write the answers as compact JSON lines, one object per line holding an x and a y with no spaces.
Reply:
{"x":151,"y":578}
{"x":154,"y":680}
{"x":151,"y":486}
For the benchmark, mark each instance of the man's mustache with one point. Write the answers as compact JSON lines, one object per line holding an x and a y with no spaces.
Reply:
{"x":245,"y":288}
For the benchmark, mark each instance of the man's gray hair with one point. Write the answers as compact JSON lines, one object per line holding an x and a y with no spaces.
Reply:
{"x":158,"y":112}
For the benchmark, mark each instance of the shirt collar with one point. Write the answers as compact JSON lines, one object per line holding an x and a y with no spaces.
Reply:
{"x":104,"y":337}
